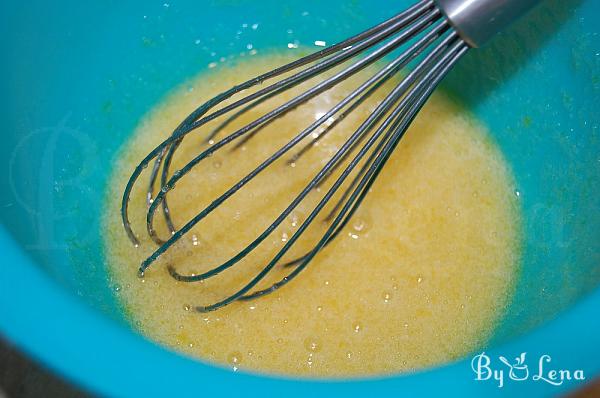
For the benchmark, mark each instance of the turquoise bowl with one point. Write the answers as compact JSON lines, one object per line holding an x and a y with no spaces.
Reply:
{"x":78,"y":76}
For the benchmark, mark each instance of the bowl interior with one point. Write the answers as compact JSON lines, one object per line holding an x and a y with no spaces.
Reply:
{"x":82,"y":76}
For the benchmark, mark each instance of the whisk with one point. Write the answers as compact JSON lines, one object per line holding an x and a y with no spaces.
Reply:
{"x":422,"y":43}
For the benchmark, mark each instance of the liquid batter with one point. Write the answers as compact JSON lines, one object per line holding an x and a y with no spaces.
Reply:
{"x":419,"y":276}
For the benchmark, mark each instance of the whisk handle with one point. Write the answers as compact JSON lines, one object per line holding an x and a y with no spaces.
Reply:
{"x":477,"y":21}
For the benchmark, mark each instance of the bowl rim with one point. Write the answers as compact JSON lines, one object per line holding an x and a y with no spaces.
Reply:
{"x":59,"y":331}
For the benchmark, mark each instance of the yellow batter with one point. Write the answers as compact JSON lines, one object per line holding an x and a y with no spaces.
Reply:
{"x":419,"y":276}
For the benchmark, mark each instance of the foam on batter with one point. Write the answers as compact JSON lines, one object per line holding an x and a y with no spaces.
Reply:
{"x":419,"y":277}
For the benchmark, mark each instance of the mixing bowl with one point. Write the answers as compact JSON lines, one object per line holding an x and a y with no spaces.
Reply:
{"x":78,"y":76}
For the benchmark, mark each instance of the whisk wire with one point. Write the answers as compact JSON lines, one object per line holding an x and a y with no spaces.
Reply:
{"x":390,"y":100}
{"x":398,"y":121}
{"x":432,"y":44}
{"x":368,"y":178}
{"x":381,"y":76}
{"x":328,"y":83}
{"x":250,"y":129}
{"x":194,"y":120}
{"x":373,"y":118}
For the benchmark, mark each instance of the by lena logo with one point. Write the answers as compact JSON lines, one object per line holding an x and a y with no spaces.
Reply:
{"x":518,"y":370}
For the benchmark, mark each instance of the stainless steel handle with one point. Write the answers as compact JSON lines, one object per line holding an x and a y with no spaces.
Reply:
{"x":478,"y":20}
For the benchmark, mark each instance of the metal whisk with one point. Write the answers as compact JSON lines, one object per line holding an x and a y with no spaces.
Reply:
{"x":430,"y":36}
